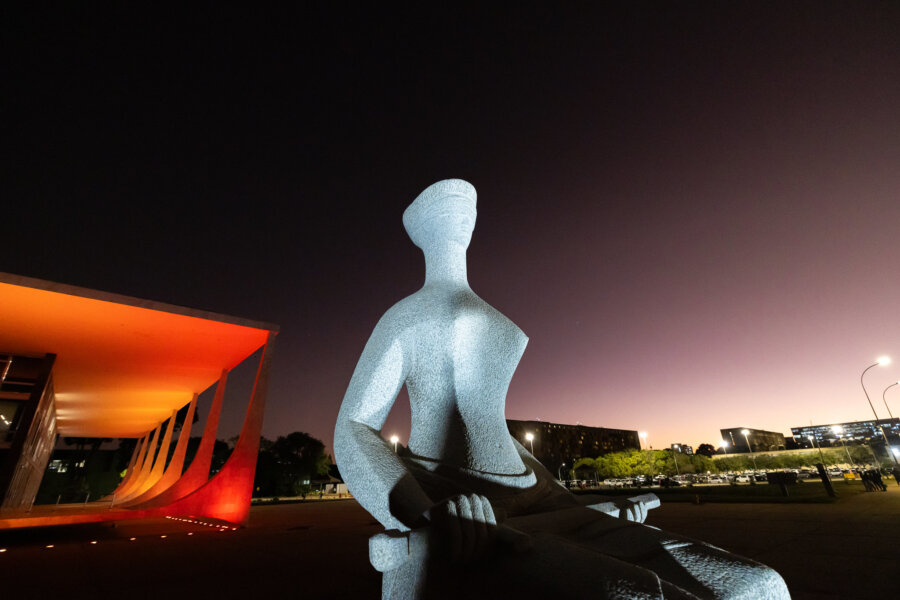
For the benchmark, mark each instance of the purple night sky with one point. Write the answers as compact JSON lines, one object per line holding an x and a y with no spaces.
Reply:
{"x":692,"y":211}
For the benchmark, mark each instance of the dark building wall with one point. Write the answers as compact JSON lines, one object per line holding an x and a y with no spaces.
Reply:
{"x":760,"y":440}
{"x":32,"y":441}
{"x":557,"y":443}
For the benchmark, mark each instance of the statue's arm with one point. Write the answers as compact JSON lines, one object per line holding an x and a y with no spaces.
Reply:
{"x":373,"y":472}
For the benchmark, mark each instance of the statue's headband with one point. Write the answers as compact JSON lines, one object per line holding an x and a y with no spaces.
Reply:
{"x":437,"y":198}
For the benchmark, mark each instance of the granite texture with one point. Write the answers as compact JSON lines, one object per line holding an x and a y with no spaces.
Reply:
{"x":468,"y":502}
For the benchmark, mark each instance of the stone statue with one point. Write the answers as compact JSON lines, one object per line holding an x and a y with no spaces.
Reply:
{"x":469,"y":512}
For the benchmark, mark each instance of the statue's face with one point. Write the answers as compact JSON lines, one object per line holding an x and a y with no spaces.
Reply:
{"x":450,"y":227}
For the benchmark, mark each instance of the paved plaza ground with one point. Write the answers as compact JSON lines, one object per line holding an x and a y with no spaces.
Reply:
{"x":845,"y":549}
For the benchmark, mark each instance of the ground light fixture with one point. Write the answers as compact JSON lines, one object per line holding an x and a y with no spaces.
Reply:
{"x":882,"y":361}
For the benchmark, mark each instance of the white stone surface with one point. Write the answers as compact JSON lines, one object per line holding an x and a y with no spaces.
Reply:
{"x":477,"y":500}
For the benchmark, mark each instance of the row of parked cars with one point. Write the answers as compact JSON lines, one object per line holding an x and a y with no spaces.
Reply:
{"x":712,"y":479}
{"x":642,"y":480}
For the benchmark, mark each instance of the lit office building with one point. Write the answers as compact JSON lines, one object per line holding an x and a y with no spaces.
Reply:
{"x":556,"y":443}
{"x":759,"y":439}
{"x":855,"y":431}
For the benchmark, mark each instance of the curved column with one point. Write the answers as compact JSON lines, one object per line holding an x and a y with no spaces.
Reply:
{"x":227,"y":495}
{"x":176,"y":465}
{"x":138,"y":467}
{"x":197,"y":472}
{"x":129,"y":471}
{"x":144,"y":472}
{"x":156,"y":471}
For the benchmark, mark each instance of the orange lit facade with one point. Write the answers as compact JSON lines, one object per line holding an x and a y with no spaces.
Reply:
{"x":83,"y":363}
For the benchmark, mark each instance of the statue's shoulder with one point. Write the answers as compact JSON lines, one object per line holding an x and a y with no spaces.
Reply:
{"x":499,"y":319}
{"x":404,"y":315}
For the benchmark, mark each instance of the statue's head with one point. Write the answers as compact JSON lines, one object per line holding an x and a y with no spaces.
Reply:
{"x":442,"y":215}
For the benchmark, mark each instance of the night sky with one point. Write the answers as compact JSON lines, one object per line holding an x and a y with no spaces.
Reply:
{"x":693,"y":210}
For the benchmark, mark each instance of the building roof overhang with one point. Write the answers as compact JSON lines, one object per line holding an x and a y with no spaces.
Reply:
{"x":122,"y":364}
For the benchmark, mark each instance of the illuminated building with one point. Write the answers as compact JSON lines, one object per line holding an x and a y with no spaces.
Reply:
{"x":84,"y":363}
{"x":854,"y":431}
{"x":760,"y":440}
{"x":556,"y":443}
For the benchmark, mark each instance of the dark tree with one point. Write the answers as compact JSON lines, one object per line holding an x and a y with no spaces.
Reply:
{"x":285,"y":464}
{"x":706,"y":450}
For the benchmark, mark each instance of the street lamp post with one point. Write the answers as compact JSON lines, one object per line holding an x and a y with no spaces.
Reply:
{"x":884,"y":360}
{"x":559,"y":471}
{"x":812,"y":440}
{"x":643,"y":436}
{"x":724,"y":445}
{"x":529,"y":437}
{"x":675,"y":450}
{"x":884,"y":397}
{"x":746,"y":433}
{"x":838,"y":430}
{"x":394,"y":440}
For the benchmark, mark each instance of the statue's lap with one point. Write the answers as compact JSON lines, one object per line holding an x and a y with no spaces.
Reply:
{"x":575,"y":541}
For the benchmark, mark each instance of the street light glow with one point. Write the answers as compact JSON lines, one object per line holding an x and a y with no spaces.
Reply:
{"x":745,"y":432}
{"x":529,"y":437}
{"x":837,"y":429}
{"x":882,"y":360}
{"x":394,"y":439}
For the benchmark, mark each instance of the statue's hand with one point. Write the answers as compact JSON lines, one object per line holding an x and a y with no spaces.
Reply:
{"x":631,"y":510}
{"x":465,"y":525}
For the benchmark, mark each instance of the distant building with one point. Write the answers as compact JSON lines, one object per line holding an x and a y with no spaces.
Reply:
{"x":760,"y":440}
{"x":683,"y":448}
{"x":854,"y":431}
{"x":556,"y":443}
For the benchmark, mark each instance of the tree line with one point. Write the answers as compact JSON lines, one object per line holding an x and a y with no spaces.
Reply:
{"x":630,"y":463}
